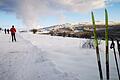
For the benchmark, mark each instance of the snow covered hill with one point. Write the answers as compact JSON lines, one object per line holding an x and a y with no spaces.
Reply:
{"x":44,"y":57}
{"x":79,"y":25}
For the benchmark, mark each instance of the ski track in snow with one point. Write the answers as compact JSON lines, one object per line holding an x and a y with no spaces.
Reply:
{"x":22,"y":61}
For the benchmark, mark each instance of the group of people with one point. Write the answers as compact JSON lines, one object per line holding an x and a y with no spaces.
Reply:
{"x":13,"y":31}
{"x":6,"y":31}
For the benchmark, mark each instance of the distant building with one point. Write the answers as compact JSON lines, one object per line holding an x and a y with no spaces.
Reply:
{"x":79,"y":29}
{"x":61,"y":31}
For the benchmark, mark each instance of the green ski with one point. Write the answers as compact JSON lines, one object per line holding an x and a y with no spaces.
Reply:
{"x":97,"y":48}
{"x":106,"y":41}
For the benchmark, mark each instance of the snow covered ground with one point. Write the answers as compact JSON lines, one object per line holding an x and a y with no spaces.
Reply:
{"x":44,"y":57}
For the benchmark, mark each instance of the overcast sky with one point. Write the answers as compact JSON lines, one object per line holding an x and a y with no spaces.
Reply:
{"x":31,"y":13}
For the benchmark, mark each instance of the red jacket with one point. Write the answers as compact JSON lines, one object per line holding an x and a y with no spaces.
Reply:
{"x":12,"y":30}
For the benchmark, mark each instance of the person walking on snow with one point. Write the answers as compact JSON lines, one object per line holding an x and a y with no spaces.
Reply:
{"x":5,"y":30}
{"x":13,"y":31}
{"x":8,"y":31}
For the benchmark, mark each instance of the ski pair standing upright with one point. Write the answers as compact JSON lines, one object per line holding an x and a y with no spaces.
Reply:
{"x":97,"y":48}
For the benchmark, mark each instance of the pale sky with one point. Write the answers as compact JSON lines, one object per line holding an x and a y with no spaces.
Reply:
{"x":50,"y":12}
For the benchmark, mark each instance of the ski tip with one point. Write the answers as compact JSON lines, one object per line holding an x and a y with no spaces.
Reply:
{"x":92,"y":13}
{"x":106,"y":11}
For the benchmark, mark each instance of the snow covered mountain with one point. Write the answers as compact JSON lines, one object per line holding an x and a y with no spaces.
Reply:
{"x":83,"y":24}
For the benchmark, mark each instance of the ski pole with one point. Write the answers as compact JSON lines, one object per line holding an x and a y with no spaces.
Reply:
{"x":118,"y":46}
{"x":113,"y":47}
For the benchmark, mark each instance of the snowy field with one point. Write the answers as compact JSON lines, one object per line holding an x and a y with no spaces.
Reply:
{"x":44,"y":57}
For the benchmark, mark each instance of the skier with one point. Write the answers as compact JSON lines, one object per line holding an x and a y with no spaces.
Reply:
{"x":8,"y":31}
{"x":13,"y":31}
{"x":5,"y":30}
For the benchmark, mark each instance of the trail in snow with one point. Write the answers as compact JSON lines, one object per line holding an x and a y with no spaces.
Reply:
{"x":22,"y":61}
